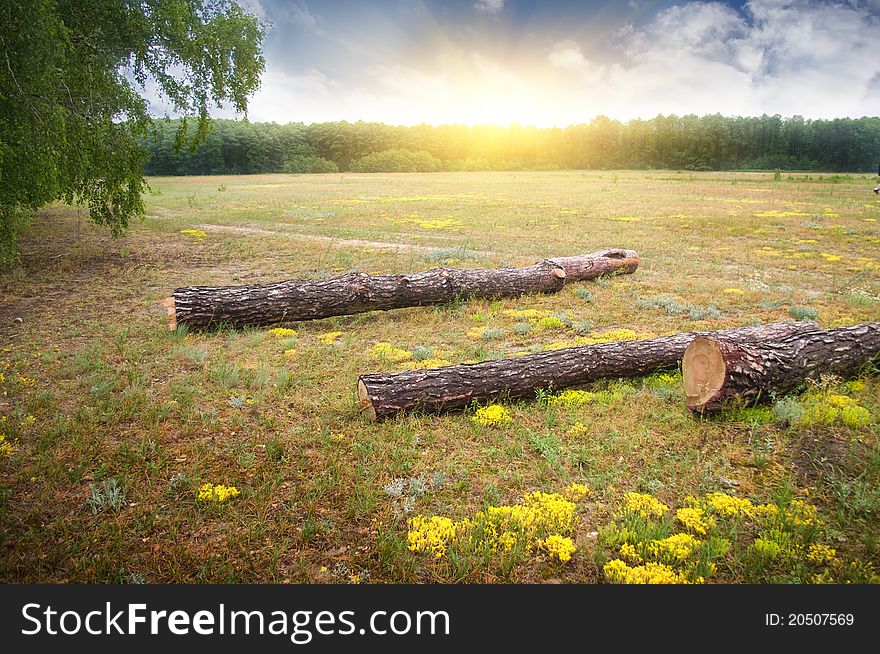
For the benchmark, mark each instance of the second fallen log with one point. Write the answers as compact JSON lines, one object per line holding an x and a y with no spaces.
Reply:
{"x":717,"y":369}
{"x":454,"y":387}
{"x":269,"y":304}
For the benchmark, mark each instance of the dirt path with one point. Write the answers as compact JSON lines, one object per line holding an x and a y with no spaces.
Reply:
{"x":384,"y":246}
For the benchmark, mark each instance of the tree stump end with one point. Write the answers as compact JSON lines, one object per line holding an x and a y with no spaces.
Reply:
{"x":704,"y":372}
{"x":168,"y":303}
{"x":365,"y":401}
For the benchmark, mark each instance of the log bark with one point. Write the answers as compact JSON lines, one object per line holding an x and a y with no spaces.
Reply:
{"x":717,"y":369}
{"x":290,"y":301}
{"x":455,"y":387}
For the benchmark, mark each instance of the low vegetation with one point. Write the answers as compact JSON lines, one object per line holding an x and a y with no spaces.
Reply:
{"x":130,"y":453}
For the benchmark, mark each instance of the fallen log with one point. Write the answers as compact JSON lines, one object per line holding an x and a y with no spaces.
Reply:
{"x":290,"y":301}
{"x":457,"y":386}
{"x":717,"y":369}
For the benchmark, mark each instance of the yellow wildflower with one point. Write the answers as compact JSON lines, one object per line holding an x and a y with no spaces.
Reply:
{"x":644,"y":505}
{"x":329,"y":338}
{"x":216,"y":492}
{"x":6,"y":448}
{"x":695,"y":519}
{"x":282,"y":332}
{"x":579,"y":429}
{"x":576,"y":492}
{"x":618,"y":572}
{"x":429,"y":363}
{"x":734,"y":291}
{"x":572,"y":398}
{"x":677,"y":547}
{"x":628,"y":551}
{"x":430,"y":534}
{"x":728,"y":506}
{"x":801,"y":513}
{"x":493,"y":415}
{"x":387,"y":352}
{"x":821,"y":554}
{"x":560,"y":547}
{"x":855,"y":416}
{"x":526,"y":314}
{"x":839,"y":401}
{"x":198,"y":234}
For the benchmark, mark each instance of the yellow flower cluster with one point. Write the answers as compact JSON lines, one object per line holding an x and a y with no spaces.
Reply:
{"x":801,"y":513}
{"x":575,"y":492}
{"x":539,"y":513}
{"x":493,"y":415}
{"x":216,"y":492}
{"x":445,"y":223}
{"x":501,"y":528}
{"x":559,"y":547}
{"x":282,"y":332}
{"x":695,"y":519}
{"x":728,"y":506}
{"x":290,"y":353}
{"x":430,"y":534}
{"x":629,"y":551}
{"x":678,"y":547}
{"x":644,"y":505}
{"x":579,"y":429}
{"x":197,"y":234}
{"x":572,"y":398}
{"x":550,"y":322}
{"x":6,"y":448}
{"x":611,"y":335}
{"x":429,"y":363}
{"x":618,"y":572}
{"x":329,"y":338}
{"x":855,"y":416}
{"x":387,"y":352}
{"x":526,"y":314}
{"x":821,"y":554}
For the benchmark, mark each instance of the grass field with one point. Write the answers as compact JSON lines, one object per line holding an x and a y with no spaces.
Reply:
{"x":112,"y":424}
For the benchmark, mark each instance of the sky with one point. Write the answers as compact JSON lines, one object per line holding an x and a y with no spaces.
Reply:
{"x":549,"y":63}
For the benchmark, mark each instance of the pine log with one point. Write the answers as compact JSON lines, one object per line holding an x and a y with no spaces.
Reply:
{"x":290,"y":301}
{"x":717,"y":369}
{"x":455,"y":387}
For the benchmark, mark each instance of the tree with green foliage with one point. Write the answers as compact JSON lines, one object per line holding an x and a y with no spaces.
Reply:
{"x":73,"y":75}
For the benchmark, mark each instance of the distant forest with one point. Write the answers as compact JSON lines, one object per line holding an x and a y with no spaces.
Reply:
{"x":669,"y":142}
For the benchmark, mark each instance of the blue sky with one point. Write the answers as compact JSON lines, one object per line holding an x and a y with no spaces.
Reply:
{"x":556,"y":63}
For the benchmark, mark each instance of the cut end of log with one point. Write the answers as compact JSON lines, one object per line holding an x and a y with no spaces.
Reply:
{"x":365,"y":401}
{"x":559,"y":273}
{"x":168,"y":303}
{"x":704,"y":372}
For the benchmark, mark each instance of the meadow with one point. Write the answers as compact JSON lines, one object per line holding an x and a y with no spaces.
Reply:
{"x":134,"y":454}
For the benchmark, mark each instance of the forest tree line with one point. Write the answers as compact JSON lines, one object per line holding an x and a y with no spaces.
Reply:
{"x":691,"y":142}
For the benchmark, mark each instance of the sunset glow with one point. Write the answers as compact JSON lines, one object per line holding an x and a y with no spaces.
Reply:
{"x":557,"y":63}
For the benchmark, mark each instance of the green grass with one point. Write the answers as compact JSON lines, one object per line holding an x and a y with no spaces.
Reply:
{"x":107,"y":409}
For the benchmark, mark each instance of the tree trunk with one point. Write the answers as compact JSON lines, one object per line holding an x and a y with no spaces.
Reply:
{"x":269,"y":304}
{"x":717,"y":369}
{"x":455,"y":387}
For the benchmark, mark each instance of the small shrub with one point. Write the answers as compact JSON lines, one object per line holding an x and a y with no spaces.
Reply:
{"x":788,"y":411}
{"x":803,"y":313}
{"x":108,"y":495}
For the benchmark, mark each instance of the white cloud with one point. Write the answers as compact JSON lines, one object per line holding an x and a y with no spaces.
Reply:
{"x":299,"y":14}
{"x":813,"y":59}
{"x":490,"y":7}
